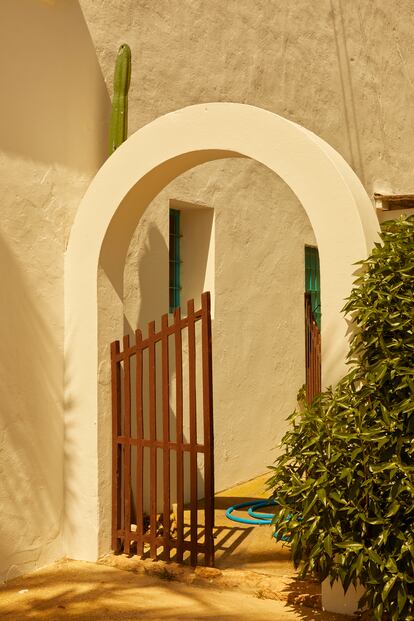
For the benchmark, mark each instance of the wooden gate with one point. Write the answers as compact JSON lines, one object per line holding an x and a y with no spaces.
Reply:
{"x":312,"y":351}
{"x":142,"y":376}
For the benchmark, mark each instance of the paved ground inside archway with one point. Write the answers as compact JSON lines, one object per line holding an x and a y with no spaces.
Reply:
{"x":248,"y":547}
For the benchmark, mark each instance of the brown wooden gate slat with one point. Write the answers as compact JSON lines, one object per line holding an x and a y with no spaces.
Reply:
{"x":139,"y":474}
{"x":116,"y":447}
{"x":312,"y":352}
{"x":208,"y":428}
{"x":153,"y":437}
{"x":179,"y":434}
{"x":192,"y":399}
{"x":166,"y":522}
{"x":125,"y":443}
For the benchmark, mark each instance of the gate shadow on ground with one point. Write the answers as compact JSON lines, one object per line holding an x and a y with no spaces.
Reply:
{"x":229,"y":536}
{"x":227,"y":539}
{"x":256,"y":549}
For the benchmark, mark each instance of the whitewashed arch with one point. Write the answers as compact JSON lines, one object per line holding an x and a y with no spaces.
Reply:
{"x":337,"y":205}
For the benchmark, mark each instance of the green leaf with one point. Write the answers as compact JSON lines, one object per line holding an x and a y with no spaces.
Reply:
{"x":393,"y":509}
{"x":383,"y":467}
{"x":387,"y":588}
{"x":374,"y":556}
{"x":346,"y":473}
{"x":359,"y":563}
{"x":321,"y":492}
{"x":391,"y":565}
{"x":378,"y":612}
{"x":308,"y":507}
{"x":327,"y":544}
{"x":335,"y":496}
{"x":401,"y":599}
{"x":351,"y":545}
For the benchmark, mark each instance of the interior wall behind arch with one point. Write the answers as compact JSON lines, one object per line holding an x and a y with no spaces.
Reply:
{"x":258,"y":340}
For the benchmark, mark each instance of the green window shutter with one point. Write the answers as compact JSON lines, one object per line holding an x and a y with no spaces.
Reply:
{"x":313,"y":281}
{"x":175,"y":261}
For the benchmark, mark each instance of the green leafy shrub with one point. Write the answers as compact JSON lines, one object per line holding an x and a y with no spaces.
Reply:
{"x":345,"y":479}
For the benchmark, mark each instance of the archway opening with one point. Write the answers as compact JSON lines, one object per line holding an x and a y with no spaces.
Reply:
{"x":256,"y":276}
{"x":337,"y":206}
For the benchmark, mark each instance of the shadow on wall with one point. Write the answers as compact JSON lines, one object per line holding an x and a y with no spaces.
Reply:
{"x":55,"y":106}
{"x":151,"y":301}
{"x":31,"y":426}
{"x":152,"y":279}
{"x":150,"y":294}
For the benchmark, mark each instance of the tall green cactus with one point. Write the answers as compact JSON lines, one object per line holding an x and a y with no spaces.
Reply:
{"x":118,"y":129}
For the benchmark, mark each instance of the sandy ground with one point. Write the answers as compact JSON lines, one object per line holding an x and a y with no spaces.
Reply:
{"x":253,"y":581}
{"x":90,"y":592}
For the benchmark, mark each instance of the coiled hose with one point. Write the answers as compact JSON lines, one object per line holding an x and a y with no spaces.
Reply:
{"x":255,"y":518}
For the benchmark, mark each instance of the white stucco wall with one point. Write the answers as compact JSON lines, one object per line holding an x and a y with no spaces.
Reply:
{"x":342,"y":69}
{"x":53,"y":114}
{"x":345,"y":71}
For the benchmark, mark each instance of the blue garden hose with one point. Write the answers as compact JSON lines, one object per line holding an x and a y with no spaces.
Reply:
{"x":266,"y":517}
{"x":255,"y":519}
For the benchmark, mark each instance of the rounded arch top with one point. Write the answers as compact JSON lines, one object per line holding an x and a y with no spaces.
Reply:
{"x":180,"y":140}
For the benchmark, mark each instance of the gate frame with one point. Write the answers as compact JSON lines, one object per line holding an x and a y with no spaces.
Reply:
{"x":122,"y":443}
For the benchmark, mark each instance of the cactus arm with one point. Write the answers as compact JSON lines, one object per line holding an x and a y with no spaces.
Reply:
{"x":118,"y":128}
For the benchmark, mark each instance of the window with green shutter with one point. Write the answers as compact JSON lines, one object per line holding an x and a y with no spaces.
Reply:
{"x":313,"y":281}
{"x":175,"y":260}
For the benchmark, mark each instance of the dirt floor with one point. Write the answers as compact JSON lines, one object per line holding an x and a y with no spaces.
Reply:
{"x":82,"y":591}
{"x":253,"y":580}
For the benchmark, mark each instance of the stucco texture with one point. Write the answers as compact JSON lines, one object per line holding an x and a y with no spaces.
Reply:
{"x":53,"y":117}
{"x":345,"y":70}
{"x":342,"y":69}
